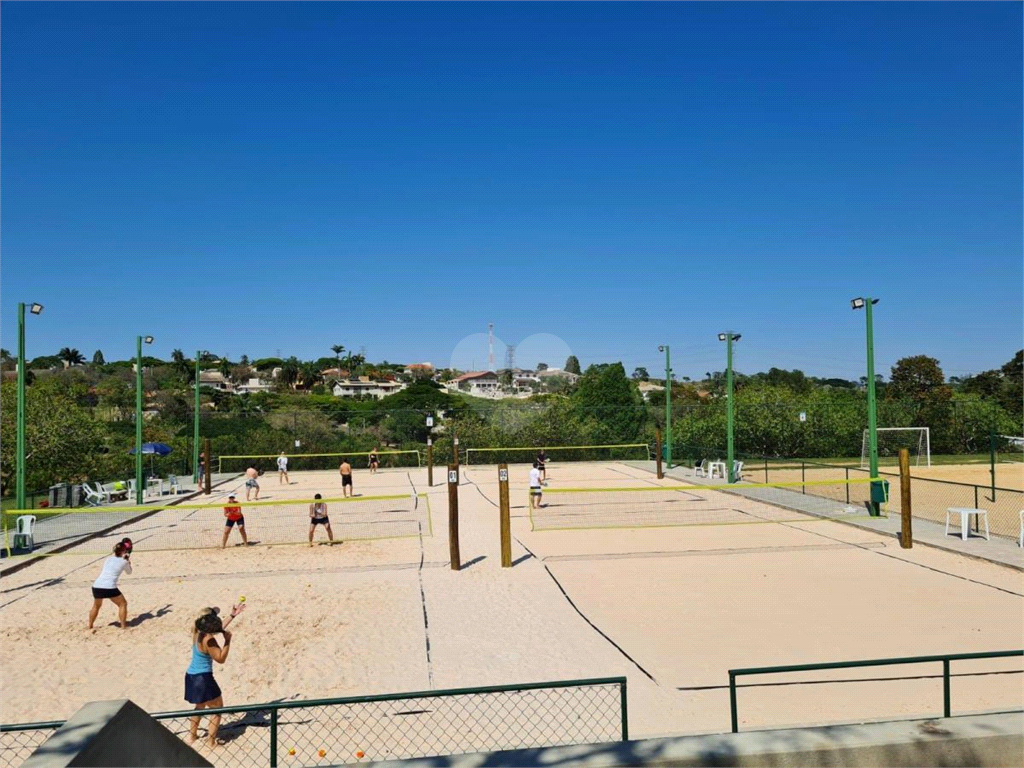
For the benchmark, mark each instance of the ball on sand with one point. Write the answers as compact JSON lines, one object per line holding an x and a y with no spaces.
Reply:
{"x":241,"y":599}
{"x":360,"y":754}
{"x":322,"y":753}
{"x":291,"y":751}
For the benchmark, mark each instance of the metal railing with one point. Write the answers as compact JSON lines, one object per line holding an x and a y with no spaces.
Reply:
{"x":341,"y":730}
{"x":944,"y":658}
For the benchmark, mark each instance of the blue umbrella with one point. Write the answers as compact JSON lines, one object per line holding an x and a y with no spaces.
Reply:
{"x":153,"y":449}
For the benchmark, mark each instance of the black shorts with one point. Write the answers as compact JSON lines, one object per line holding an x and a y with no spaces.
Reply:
{"x":535,"y":491}
{"x":319,"y":521}
{"x":201,"y":688}
{"x":346,"y":480}
{"x":229,"y":523}
{"x":101,"y":593}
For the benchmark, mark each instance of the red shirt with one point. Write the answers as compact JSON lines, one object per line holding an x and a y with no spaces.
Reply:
{"x":233,"y":513}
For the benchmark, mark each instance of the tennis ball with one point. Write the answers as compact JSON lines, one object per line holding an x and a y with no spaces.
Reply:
{"x":241,"y":599}
{"x":321,"y":753}
{"x":360,"y":754}
{"x":291,"y":751}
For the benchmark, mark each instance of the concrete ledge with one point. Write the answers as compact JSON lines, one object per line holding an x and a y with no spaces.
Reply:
{"x":117,"y":734}
{"x":975,"y":740}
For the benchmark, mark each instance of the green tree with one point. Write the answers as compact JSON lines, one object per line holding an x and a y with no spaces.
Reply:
{"x":918,"y":378}
{"x":289,"y":374}
{"x":70,"y":356}
{"x":609,"y":403}
{"x":97,"y":358}
{"x":572,"y":364}
{"x":62,"y":441}
{"x":4,"y":355}
{"x":640,"y":374}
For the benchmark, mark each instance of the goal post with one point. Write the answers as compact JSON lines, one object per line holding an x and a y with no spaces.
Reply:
{"x":890,"y":439}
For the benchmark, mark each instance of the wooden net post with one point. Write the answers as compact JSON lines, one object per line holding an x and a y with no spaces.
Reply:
{"x":906,"y":532}
{"x":505,"y":521}
{"x":208,"y":464}
{"x":657,"y":449}
{"x":453,"y":516}
{"x":430,"y":463}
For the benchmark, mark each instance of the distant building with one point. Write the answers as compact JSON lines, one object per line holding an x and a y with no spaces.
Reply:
{"x":215,"y":380}
{"x":363,"y":387}
{"x":647,"y":387}
{"x":334,"y":373}
{"x":549,"y":373}
{"x":425,"y":370}
{"x":253,"y":385}
{"x":479,"y":383}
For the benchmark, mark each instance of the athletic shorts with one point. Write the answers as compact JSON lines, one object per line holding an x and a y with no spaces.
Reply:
{"x":229,"y":523}
{"x":346,"y":479}
{"x":536,"y":491}
{"x":201,"y":688}
{"x":319,"y":521}
{"x":100,"y":593}
{"x":251,"y":483}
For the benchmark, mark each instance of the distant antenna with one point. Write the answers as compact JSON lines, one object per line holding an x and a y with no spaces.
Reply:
{"x":510,"y":356}
{"x":490,"y":346}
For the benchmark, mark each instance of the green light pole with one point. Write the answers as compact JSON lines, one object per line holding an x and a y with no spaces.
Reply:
{"x":729,"y":337}
{"x":139,"y":487}
{"x":36,"y":309}
{"x":866,"y":304}
{"x":195,"y":429}
{"x":668,"y":405}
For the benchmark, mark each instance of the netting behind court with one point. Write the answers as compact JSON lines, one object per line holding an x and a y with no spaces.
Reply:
{"x":684,"y":505}
{"x":304,"y":462}
{"x":559,"y":453}
{"x":201,"y":526}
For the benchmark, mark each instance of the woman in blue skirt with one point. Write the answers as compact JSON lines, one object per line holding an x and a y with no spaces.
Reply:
{"x":200,"y":687}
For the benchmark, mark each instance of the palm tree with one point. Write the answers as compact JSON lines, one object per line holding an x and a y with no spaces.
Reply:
{"x":309,"y":374}
{"x":337,"y":349}
{"x":289,"y":371}
{"x":71,"y":357}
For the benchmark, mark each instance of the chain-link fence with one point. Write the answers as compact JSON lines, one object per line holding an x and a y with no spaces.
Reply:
{"x":393,"y":726}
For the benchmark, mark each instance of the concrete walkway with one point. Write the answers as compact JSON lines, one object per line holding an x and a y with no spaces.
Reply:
{"x":54,"y":533}
{"x":999,"y":549}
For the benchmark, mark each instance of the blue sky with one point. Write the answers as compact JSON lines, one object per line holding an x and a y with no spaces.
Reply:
{"x":253,"y":177}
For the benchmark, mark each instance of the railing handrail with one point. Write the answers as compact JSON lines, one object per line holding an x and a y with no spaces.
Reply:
{"x":874,"y":662}
{"x":945,"y":658}
{"x":413,"y":695}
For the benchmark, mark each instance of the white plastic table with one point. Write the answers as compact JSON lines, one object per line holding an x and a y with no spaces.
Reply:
{"x":965,"y":520}
{"x":156,"y":483}
{"x":717,"y":466}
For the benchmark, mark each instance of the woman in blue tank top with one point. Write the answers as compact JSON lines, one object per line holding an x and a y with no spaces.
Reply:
{"x":200,"y":687}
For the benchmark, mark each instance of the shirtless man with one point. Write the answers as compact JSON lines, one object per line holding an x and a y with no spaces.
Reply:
{"x":345,"y":470}
{"x":251,"y":483}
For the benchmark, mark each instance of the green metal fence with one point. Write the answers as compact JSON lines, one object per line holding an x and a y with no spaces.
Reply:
{"x":389,"y":726}
{"x":944,"y":658}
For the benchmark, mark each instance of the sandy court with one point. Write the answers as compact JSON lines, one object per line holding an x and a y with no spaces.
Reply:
{"x":670,"y":608}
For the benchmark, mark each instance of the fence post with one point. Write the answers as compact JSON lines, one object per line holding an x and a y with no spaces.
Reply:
{"x":657,"y":446}
{"x":273,"y":738}
{"x":945,"y":688}
{"x":732,"y":702}
{"x":209,"y":467}
{"x":455,"y":450}
{"x":503,"y":512}
{"x":906,"y":534}
{"x":847,"y":485}
{"x":430,"y":463}
{"x":625,"y":713}
{"x":453,"y":516}
{"x":803,"y":477}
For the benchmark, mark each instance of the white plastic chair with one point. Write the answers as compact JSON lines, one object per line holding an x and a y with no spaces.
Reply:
{"x":701,"y":470}
{"x":174,"y":486}
{"x":737,"y":470}
{"x":24,"y":532}
{"x":93,"y":497}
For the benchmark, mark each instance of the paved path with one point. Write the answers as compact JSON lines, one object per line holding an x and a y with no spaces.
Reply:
{"x":54,"y":532}
{"x":1000,"y":550}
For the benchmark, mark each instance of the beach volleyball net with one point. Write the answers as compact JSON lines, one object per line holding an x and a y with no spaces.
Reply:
{"x":686,"y":505}
{"x":559,"y":453}
{"x":304,"y":462}
{"x":95,"y":530}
